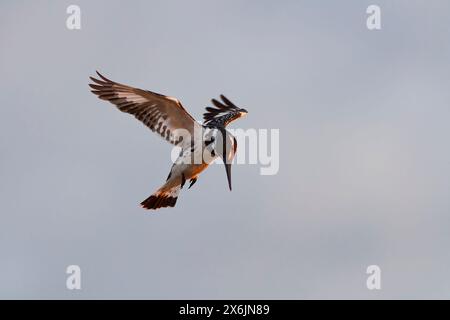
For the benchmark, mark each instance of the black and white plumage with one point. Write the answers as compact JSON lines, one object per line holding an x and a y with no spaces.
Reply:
{"x":200,"y":144}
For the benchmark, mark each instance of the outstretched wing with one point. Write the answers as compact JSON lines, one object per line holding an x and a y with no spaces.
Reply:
{"x":162,"y":114}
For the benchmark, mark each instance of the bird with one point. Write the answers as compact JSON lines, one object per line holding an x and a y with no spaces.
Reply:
{"x":200,"y":143}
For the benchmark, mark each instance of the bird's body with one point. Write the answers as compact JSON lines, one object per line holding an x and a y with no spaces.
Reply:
{"x":200,"y":144}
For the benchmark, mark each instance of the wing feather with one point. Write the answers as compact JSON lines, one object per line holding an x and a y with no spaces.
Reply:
{"x":162,"y":114}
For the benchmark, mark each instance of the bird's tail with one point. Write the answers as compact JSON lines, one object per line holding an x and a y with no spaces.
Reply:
{"x":162,"y":198}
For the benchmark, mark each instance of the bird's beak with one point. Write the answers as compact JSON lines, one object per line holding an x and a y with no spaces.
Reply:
{"x":228,"y":170}
{"x":225,"y":160}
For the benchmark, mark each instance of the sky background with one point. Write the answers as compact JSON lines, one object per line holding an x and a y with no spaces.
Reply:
{"x":364,"y":158}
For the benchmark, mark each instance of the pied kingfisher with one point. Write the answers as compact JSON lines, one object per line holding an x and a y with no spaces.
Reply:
{"x":200,"y":144}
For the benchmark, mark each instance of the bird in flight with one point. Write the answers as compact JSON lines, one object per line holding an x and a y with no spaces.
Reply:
{"x":200,"y":143}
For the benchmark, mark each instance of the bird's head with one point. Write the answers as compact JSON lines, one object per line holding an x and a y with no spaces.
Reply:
{"x":241,"y":113}
{"x":223,"y":114}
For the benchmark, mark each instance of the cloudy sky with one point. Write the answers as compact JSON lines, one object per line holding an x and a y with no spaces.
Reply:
{"x":364,"y":174}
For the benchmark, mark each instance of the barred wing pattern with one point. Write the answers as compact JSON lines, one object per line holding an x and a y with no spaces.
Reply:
{"x":162,"y":114}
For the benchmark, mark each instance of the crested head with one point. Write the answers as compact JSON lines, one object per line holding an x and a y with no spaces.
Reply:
{"x":223,"y":113}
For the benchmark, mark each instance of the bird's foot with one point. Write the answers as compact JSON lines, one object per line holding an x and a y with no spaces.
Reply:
{"x":192,"y":182}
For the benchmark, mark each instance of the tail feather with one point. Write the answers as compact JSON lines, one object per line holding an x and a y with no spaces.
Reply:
{"x":161,"y":199}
